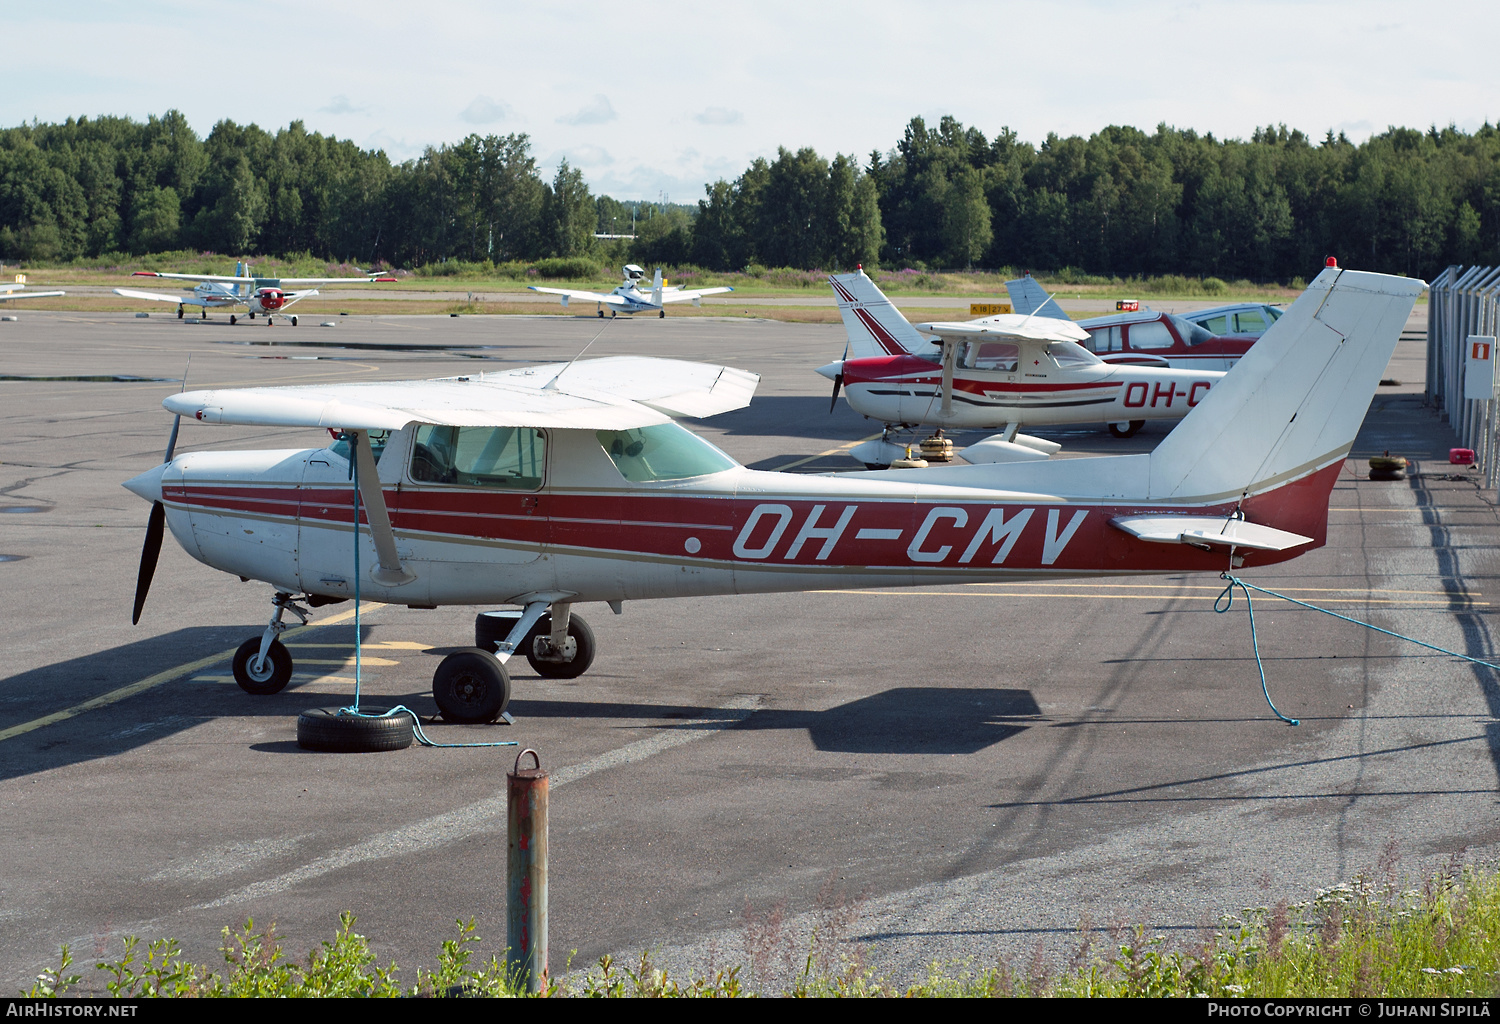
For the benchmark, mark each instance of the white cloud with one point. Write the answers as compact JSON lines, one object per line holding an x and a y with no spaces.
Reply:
{"x":483,"y":110}
{"x":340,"y":105}
{"x":719,"y":115}
{"x":598,"y":112}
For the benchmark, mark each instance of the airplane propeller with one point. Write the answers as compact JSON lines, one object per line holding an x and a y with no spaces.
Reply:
{"x":155,"y":527}
{"x":838,"y":382}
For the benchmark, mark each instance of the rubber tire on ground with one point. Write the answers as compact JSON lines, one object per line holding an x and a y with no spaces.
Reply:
{"x":491,"y":629}
{"x":1129,"y":431}
{"x":327,"y":730}
{"x":272,"y":681}
{"x":294,"y":321}
{"x":471,"y":686}
{"x":233,"y":320}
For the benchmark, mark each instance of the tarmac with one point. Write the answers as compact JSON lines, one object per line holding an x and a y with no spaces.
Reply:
{"x":949,"y":774}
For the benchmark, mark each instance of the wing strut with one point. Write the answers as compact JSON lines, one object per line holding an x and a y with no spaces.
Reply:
{"x":391,"y":572}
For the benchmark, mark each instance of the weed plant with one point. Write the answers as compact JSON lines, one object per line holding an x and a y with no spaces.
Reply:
{"x":1367,"y":938}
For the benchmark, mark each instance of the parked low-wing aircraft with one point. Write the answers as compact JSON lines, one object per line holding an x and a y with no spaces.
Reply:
{"x":11,"y":292}
{"x":557,"y":485}
{"x":1144,"y":337}
{"x":266,"y":296}
{"x":629,"y":299}
{"x":999,"y":372}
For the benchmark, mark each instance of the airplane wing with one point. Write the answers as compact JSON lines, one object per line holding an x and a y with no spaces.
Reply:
{"x":225,"y":279}
{"x":13,"y":294}
{"x":180,"y":300}
{"x":1028,"y":297}
{"x":610,"y":300}
{"x":677,"y":295}
{"x":1009,"y":325}
{"x":618,"y":393}
{"x":336,"y":280}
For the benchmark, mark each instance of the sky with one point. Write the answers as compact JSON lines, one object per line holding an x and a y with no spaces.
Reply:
{"x":658,"y":99}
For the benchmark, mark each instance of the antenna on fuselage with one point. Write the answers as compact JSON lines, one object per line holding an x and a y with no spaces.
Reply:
{"x":551,"y":385}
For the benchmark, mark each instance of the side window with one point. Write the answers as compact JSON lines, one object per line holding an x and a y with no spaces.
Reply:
{"x":506,"y":458}
{"x":1104,"y":339}
{"x":1153,"y":334}
{"x":1216,"y":324}
{"x":1249,"y":323}
{"x":992,"y":355}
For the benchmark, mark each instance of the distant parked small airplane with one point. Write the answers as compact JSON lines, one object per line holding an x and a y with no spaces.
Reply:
{"x":263,"y":295}
{"x":629,"y":299}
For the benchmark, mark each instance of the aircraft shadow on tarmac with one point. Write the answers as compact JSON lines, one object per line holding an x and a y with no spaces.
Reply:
{"x":902,"y":720}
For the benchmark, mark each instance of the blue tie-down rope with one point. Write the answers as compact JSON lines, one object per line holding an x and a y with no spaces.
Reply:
{"x":1223,"y":602}
{"x":400,"y":709}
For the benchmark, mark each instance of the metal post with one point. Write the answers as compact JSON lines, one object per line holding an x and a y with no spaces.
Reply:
{"x":526,"y":894}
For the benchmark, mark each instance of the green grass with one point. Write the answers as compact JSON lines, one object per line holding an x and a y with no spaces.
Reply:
{"x":1363,"y":939}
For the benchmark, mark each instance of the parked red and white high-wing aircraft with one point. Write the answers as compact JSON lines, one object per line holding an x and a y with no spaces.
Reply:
{"x":629,"y":299}
{"x":267,"y":296}
{"x":999,"y":372}
{"x":557,"y":485}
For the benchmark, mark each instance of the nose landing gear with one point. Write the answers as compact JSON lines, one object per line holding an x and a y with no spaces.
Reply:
{"x":262,"y":665}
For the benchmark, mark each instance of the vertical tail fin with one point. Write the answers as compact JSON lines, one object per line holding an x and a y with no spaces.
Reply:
{"x":1028,"y":297}
{"x":656,"y":288}
{"x":875,"y":327}
{"x":1296,"y":400}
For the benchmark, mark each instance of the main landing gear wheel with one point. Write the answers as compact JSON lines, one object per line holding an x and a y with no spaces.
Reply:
{"x":601,"y":314}
{"x":233,"y":320}
{"x":179,"y":312}
{"x":1126,"y":429}
{"x":272,"y":676}
{"x":471,"y":686}
{"x":490,"y":630}
{"x":294,"y":321}
{"x":662,"y":314}
{"x":326,"y":729}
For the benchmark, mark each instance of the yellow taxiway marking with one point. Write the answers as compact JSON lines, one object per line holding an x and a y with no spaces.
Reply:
{"x":345,"y":661}
{"x":152,"y":681}
{"x":823,"y":455}
{"x":1217,"y":589}
{"x":1124,"y":597}
{"x":298,"y":679}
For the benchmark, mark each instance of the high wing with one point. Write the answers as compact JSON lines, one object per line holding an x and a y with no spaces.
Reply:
{"x":187,"y":299}
{"x":12,"y":293}
{"x":678,"y":295}
{"x":292,"y":297}
{"x":616,"y":393}
{"x":384,"y":279}
{"x":610,"y":299}
{"x":215,"y":278}
{"x":1009,"y":325}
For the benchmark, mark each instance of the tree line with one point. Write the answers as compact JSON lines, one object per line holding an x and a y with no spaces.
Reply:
{"x":1121,"y":202}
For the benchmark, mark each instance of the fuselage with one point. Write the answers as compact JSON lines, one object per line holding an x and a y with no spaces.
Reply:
{"x":1034,"y":391}
{"x":286,"y":517}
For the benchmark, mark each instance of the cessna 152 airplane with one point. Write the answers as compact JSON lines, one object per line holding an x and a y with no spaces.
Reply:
{"x":999,"y":372}
{"x":11,"y":292}
{"x":557,"y":485}
{"x":267,"y":296}
{"x":629,"y":299}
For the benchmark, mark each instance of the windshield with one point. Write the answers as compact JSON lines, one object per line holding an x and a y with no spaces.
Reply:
{"x":1194,"y":333}
{"x":378,"y":438}
{"x":663,"y":452}
{"x":1067,"y":353}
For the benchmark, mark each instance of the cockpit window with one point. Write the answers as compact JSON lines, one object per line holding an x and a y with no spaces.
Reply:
{"x":1067,"y":353}
{"x":378,"y":438}
{"x":991,"y":355}
{"x":507,"y":458}
{"x":1196,"y":334}
{"x":662,"y":452}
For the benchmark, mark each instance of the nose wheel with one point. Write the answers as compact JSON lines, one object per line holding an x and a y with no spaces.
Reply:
{"x":263,"y":665}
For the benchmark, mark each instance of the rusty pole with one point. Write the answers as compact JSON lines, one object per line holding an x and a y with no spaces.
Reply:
{"x":526,"y":894}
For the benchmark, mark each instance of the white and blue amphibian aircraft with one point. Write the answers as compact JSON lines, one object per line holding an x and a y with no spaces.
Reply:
{"x":629,"y":299}
{"x":8,"y":292}
{"x":267,"y":296}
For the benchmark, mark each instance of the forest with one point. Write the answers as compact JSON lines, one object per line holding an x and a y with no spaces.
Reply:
{"x":1122,"y":202}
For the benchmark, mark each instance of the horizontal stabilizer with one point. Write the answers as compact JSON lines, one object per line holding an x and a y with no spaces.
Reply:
{"x":1208,"y":530}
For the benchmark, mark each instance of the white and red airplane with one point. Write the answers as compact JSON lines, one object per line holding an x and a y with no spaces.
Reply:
{"x":267,"y":296}
{"x":629,"y":299}
{"x":559,"y":485}
{"x":998,"y":372}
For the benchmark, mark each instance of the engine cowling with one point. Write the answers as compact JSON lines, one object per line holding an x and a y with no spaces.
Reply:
{"x":271,"y":298}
